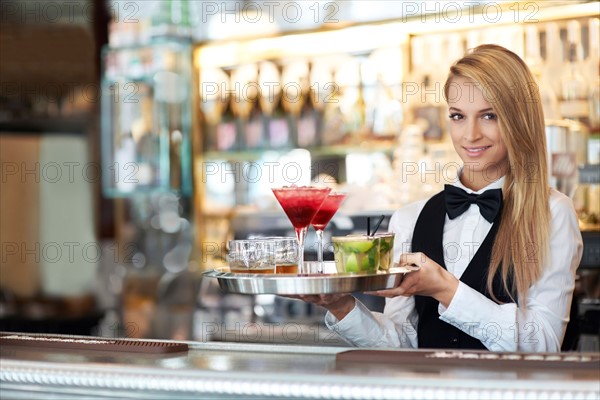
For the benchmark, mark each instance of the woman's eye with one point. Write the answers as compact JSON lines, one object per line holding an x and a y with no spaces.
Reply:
{"x":490,"y":116}
{"x":455,"y":116}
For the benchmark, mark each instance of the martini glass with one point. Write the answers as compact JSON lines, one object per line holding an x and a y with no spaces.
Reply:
{"x":300,"y":204}
{"x":321,"y":219}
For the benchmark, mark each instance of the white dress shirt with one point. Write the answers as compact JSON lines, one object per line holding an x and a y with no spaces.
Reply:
{"x":537,"y":326}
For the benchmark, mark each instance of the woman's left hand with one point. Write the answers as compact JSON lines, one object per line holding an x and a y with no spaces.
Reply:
{"x":430,"y":280}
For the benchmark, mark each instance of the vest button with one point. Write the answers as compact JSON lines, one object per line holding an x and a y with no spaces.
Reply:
{"x":454,"y":340}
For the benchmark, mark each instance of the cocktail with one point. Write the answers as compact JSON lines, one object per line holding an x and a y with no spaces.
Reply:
{"x":321,"y":219}
{"x":363,"y":253}
{"x":356,"y":254}
{"x":300,"y":204}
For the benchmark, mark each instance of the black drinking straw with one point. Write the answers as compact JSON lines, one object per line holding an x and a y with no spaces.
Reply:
{"x":368,"y":226}
{"x":378,"y":224}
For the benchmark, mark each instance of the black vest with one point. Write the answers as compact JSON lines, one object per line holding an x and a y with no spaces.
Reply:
{"x":428,"y":239}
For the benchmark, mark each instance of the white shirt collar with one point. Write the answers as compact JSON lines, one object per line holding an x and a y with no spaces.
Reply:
{"x":498,"y":184}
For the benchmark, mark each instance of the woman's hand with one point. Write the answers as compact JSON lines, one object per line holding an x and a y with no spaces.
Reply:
{"x":337,"y":304}
{"x":430,"y":280}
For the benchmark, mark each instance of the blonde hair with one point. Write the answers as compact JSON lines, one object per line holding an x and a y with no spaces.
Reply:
{"x":521,"y":245}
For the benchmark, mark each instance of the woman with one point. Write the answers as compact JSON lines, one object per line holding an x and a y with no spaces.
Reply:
{"x":497,"y":270}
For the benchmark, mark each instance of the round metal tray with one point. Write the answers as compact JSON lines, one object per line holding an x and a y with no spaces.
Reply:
{"x":290,"y":284}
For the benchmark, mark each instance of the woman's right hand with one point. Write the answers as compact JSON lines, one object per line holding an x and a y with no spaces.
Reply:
{"x":339,"y":304}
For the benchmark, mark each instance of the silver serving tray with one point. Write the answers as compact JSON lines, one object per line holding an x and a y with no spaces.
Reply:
{"x":291,"y":284}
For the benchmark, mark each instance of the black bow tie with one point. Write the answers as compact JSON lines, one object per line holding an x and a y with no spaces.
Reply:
{"x":458,"y":201}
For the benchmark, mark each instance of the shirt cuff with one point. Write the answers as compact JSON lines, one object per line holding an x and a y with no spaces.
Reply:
{"x":458,"y":298}
{"x":358,"y":328}
{"x":459,"y":302}
{"x":347,"y":322}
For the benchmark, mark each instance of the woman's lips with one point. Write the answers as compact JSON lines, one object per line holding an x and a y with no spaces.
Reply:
{"x":476,"y":150}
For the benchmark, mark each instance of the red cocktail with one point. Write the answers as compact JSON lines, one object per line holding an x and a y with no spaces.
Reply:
{"x":321,"y":219}
{"x":300,"y":205}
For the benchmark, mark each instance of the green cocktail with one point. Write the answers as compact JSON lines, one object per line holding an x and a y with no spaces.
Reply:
{"x":356,"y":253}
{"x":361,"y":253}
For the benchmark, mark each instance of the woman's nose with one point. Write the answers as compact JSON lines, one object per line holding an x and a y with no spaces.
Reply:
{"x":472,"y":131}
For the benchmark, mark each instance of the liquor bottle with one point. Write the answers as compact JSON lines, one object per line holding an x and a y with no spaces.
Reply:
{"x":296,"y":103}
{"x":353,"y":113}
{"x":292,"y":101}
{"x":279,"y":126}
{"x":325,"y":95}
{"x":257,"y":132}
{"x":214,"y":101}
{"x":408,"y":158}
{"x":254,"y":127}
{"x":534,"y":60}
{"x":244,"y":81}
{"x":553,"y":66}
{"x":426,"y":105}
{"x":574,"y":105}
{"x":381,"y":78}
{"x":574,"y":88}
{"x":387,"y":119}
{"x":351,"y":102}
{"x":411,"y":94}
{"x":307,"y":125}
{"x":226,"y":130}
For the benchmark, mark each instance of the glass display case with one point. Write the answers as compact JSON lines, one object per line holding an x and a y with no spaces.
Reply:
{"x":146,"y":119}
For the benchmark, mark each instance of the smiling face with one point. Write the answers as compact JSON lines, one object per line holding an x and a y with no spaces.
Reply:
{"x":475,"y":133}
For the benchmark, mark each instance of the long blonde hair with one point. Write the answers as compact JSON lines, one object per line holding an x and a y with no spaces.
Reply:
{"x":521,"y":245}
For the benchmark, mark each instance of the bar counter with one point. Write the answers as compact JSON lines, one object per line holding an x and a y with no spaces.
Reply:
{"x":234,"y":370}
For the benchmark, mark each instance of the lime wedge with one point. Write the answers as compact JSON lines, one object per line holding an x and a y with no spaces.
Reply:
{"x":357,"y":247}
{"x":351,"y":263}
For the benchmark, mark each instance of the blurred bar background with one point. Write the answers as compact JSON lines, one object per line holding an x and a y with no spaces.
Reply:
{"x":138,"y":137}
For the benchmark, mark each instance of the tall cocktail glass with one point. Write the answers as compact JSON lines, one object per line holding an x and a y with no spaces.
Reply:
{"x":321,"y":219}
{"x":300,"y":204}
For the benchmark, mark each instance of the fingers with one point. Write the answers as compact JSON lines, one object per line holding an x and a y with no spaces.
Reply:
{"x":417,"y":259}
{"x":303,"y":297}
{"x":318,"y":299}
{"x":315,"y":299}
{"x":405,"y":288}
{"x":389,"y":293}
{"x":409,"y":284}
